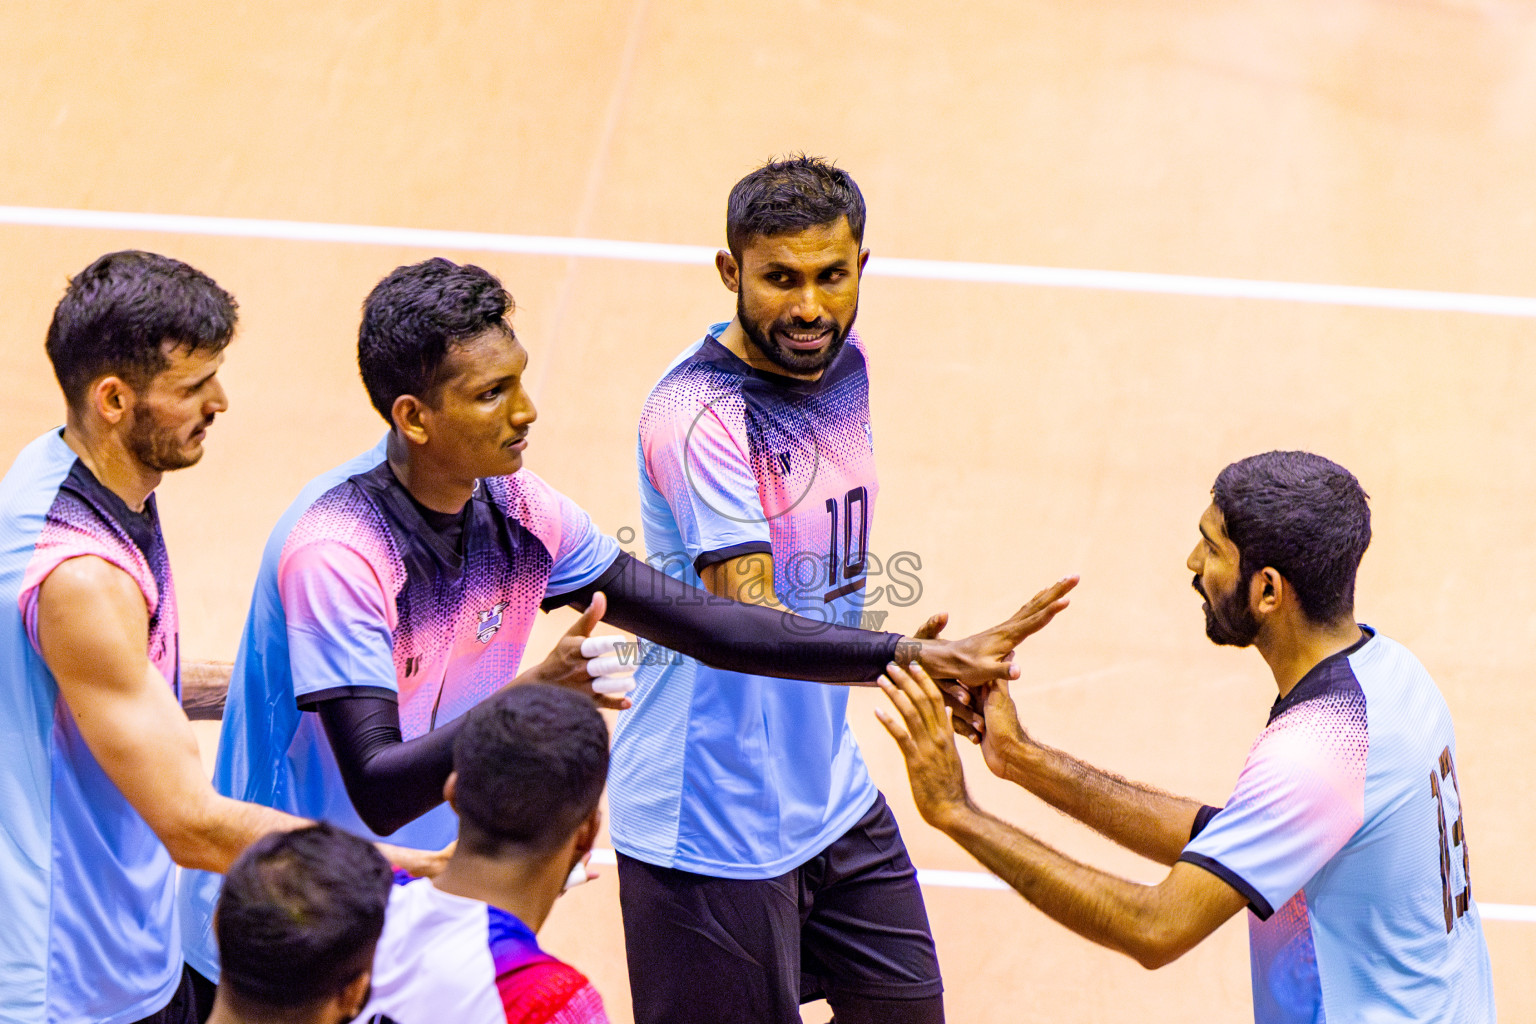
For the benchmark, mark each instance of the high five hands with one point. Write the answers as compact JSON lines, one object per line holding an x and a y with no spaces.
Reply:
{"x":965,"y":668}
{"x":923,"y":731}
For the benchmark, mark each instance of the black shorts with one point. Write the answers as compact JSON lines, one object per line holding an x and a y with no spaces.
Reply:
{"x":182,"y":1009}
{"x":848,"y":925}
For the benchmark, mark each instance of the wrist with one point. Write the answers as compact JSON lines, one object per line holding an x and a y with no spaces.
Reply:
{"x":1025,"y":760}
{"x":935,"y":656}
{"x":953,"y":817}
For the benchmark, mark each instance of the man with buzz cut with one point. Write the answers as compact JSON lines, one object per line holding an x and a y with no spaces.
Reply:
{"x":759,"y":867}
{"x":528,"y":773}
{"x":399,"y":591}
{"x":1345,"y":837}
{"x":299,"y":919}
{"x":102,"y":792}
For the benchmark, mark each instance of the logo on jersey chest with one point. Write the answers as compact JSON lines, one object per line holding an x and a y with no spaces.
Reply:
{"x":489,"y":621}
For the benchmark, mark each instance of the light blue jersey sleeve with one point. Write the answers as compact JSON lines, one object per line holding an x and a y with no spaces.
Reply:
{"x":584,"y":550}
{"x":338,"y":621}
{"x":701,"y":470}
{"x":1299,"y":799}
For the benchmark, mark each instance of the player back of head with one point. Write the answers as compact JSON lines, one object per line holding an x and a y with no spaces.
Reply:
{"x":529,"y":769}
{"x":297,"y":923}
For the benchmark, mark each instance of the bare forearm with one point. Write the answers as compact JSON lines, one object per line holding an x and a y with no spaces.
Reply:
{"x":212,"y":836}
{"x":1140,"y":818}
{"x":1110,"y":911}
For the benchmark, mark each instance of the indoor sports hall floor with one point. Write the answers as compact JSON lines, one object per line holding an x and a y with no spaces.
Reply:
{"x":1030,"y":424}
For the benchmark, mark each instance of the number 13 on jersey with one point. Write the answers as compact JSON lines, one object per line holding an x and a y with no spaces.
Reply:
{"x":1451,"y":839}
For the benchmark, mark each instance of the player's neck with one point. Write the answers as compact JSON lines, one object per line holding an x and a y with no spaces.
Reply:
{"x":438,"y":491}
{"x":110,"y":461}
{"x":1294,"y":646}
{"x":525,"y":887}
{"x":226,"y":1011}
{"x":738,"y":344}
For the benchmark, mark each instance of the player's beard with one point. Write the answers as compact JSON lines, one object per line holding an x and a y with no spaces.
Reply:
{"x":157,"y":446}
{"x":788,"y":358}
{"x":1228,"y":620}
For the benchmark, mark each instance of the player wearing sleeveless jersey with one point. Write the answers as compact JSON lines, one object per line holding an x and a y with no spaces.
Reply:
{"x":101,"y":787}
{"x":528,"y":770}
{"x":398,"y":591}
{"x":759,"y":867}
{"x":1345,"y":836}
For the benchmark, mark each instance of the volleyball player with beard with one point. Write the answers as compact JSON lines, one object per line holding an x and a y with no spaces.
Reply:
{"x":758,"y":865}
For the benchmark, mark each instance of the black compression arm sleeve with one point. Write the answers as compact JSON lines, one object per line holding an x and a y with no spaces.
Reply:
{"x":391,"y":781}
{"x":730,"y":635}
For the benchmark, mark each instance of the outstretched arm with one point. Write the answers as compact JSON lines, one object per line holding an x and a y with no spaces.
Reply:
{"x":766,"y":640}
{"x":1143,"y":819}
{"x":1153,"y":924}
{"x":91,"y":629}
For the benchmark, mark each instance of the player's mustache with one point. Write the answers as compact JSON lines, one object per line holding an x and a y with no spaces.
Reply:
{"x":815,"y":325}
{"x":1198,"y":588}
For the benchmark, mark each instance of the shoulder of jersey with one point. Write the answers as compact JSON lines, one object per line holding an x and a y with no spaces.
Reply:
{"x":547,"y":991}
{"x":685,"y":389}
{"x":344,"y":514}
{"x":519,"y":493}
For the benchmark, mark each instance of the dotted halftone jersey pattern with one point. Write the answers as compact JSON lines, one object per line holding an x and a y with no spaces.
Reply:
{"x":1345,"y":834}
{"x":87,"y":888}
{"x":459,"y":620}
{"x":357,"y":592}
{"x":723,"y":773}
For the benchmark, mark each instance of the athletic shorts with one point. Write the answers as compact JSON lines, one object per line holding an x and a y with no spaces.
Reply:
{"x":847,"y":925}
{"x":182,"y":1009}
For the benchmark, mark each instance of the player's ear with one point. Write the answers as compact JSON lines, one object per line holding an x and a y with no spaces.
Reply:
{"x":729,"y":269}
{"x":451,"y":790}
{"x":407,"y":415}
{"x":1267,"y":591}
{"x":587,"y":832}
{"x":109,"y":397}
{"x":863,"y":259}
{"x":351,"y":1000}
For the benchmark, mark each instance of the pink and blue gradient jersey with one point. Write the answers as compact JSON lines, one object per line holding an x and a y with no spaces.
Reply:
{"x":87,"y":890}
{"x":1345,"y":834}
{"x":358,"y":594}
{"x":720,"y":773}
{"x":447,"y":958}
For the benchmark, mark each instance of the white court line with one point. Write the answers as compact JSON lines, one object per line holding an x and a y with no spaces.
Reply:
{"x":659,"y":252}
{"x":939,"y":879}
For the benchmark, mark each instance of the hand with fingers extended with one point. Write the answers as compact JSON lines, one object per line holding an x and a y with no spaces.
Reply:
{"x":963,"y":704}
{"x":590,"y":665}
{"x":922,"y":730}
{"x":988,"y":655}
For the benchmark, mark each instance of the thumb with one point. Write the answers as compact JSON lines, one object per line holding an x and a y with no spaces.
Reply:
{"x":596,"y":609}
{"x":931,"y":629}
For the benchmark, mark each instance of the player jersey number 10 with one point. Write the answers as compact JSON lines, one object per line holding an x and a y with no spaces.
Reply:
{"x":848,"y":565}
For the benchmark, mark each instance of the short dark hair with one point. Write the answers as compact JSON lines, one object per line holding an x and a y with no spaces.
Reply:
{"x":531,"y":764}
{"x":1303,"y":516}
{"x":299,"y":916}
{"x":789,"y":195}
{"x":413,"y":316}
{"x":119,"y":314}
